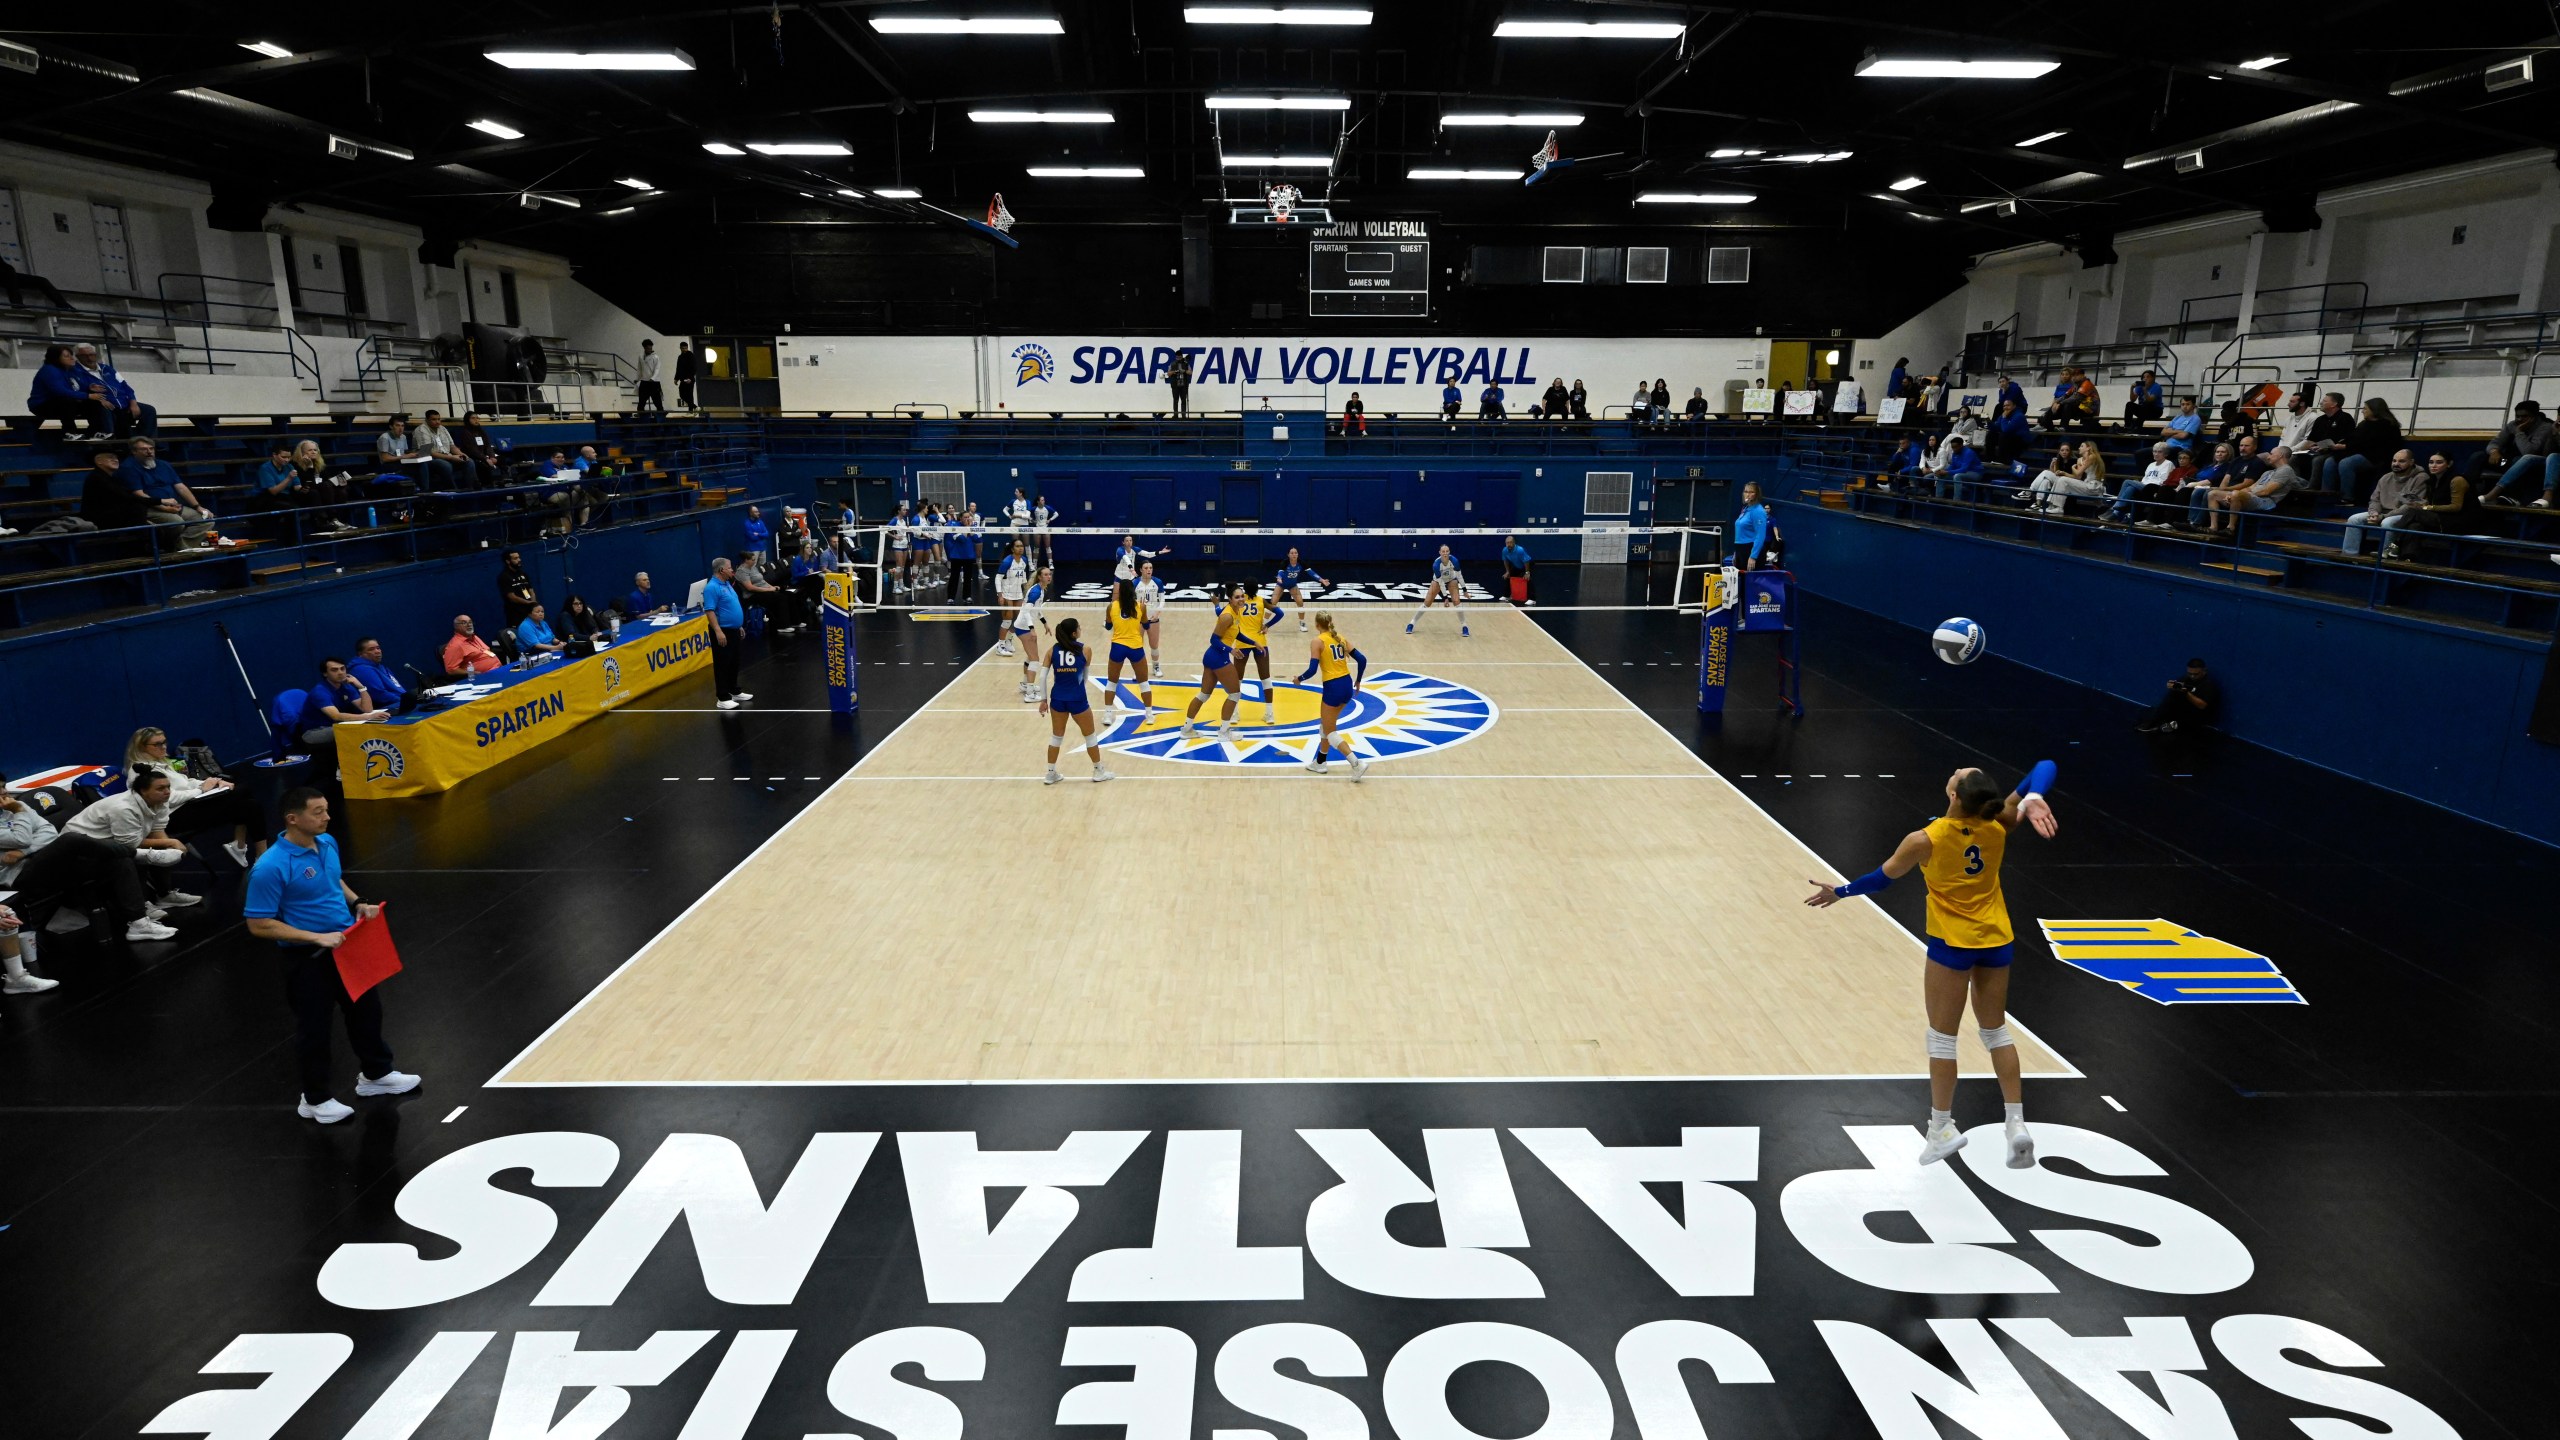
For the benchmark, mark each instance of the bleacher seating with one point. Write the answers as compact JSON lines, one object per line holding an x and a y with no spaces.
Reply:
{"x":48,"y":579}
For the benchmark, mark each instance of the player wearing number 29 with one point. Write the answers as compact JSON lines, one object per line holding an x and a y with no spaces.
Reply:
{"x":1958,"y":856}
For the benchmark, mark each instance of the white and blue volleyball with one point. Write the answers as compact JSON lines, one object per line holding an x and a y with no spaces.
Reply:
{"x":1959,"y":641}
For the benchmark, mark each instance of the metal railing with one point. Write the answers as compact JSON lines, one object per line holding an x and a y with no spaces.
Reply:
{"x":2295,"y":309}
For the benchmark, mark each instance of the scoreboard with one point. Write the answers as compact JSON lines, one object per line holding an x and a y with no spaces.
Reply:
{"x":1384,"y":278}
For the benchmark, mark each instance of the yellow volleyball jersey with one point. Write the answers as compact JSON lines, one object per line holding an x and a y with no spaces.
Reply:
{"x":1966,"y":908}
{"x":1129,"y":630}
{"x":1333,"y":658}
{"x":1249,"y":613}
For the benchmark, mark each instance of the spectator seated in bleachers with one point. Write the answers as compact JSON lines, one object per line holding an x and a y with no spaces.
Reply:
{"x":2221,"y":471}
{"x":2452,"y":507}
{"x":1355,"y":416}
{"x":2140,"y":488}
{"x":317,"y":484}
{"x":1578,"y":401}
{"x":466,"y":654}
{"x":2142,"y":402}
{"x":1955,"y":468}
{"x":108,"y":499}
{"x":2011,"y":393}
{"x":429,"y":437}
{"x":398,"y":457}
{"x":1658,"y":399}
{"x":2081,"y":473}
{"x":60,"y":392}
{"x":2075,"y":402}
{"x":1451,"y":397}
{"x":781,"y":607}
{"x":131,"y":416}
{"x":2399,"y":497}
{"x":485,"y":454}
{"x":2261,"y":494}
{"x":1556,"y":403}
{"x":1696,"y":409}
{"x":2186,"y":427}
{"x":1909,"y":459}
{"x":198,"y":804}
{"x":1969,"y":425}
{"x":2009,"y":433}
{"x":2370,"y":446}
{"x":2326,"y":440}
{"x":2534,"y":457}
{"x":571,"y":498}
{"x":2300,"y":415}
{"x":171,"y":502}
{"x":1489,"y":403}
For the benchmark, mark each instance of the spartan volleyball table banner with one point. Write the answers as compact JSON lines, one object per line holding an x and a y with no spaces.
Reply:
{"x":425,"y":753}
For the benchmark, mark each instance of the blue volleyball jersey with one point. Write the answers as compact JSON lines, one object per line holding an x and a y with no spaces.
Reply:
{"x":1066,"y":673}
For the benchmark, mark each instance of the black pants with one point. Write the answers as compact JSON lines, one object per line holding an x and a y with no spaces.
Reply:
{"x":70,"y":869}
{"x":2140,"y":411}
{"x":313,"y":989}
{"x":964,"y":578}
{"x":93,"y":416}
{"x":724,"y":663}
{"x":684,"y":394}
{"x":781,"y":607}
{"x":1181,"y":396}
{"x":652,"y":396}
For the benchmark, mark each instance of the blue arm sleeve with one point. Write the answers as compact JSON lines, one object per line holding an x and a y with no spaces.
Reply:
{"x":1867,"y":884}
{"x":1362,"y":662}
{"x":2039,"y":780}
{"x":1310,"y":670}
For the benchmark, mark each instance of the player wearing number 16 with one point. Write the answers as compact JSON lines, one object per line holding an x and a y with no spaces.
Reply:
{"x":1958,"y":856}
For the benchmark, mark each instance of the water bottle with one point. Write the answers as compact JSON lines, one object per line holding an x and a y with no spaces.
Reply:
{"x":612,"y":625}
{"x":370,"y":523}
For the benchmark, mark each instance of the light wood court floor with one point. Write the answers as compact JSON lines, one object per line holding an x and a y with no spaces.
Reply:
{"x":1570,"y":893}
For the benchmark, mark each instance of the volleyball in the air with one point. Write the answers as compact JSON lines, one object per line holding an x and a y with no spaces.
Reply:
{"x":1959,"y":641}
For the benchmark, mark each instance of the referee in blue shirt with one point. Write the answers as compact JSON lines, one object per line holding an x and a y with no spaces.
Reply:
{"x":298,"y":899}
{"x":728,"y":632}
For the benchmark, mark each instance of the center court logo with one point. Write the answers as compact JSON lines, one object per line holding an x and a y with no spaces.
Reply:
{"x":1033,"y":362}
{"x":382,"y":761}
{"x":1396,"y":716}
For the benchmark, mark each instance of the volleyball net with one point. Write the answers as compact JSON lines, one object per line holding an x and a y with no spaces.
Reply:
{"x":1550,"y":567}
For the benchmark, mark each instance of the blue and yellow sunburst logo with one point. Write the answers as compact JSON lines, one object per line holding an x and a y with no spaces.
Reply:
{"x":1397,"y":715}
{"x":1032,"y":362}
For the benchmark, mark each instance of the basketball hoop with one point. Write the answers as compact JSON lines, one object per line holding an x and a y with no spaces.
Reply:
{"x":1546,"y":154}
{"x":999,"y":219}
{"x":1283,"y":201}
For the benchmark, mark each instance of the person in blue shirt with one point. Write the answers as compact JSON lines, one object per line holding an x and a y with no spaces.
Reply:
{"x":1515,"y":565}
{"x":277,"y":485}
{"x":960,"y":545}
{"x":1489,"y":404}
{"x":2013,"y":393}
{"x":2009,"y":434}
{"x":642,"y":600}
{"x":2142,"y":403}
{"x":60,"y":392}
{"x":336,"y":700}
{"x":1906,"y":459}
{"x":728,"y":632}
{"x":131,"y":416}
{"x":759,"y":534}
{"x":1900,"y":377}
{"x":2185,"y":426}
{"x":1451,"y":397}
{"x":1963,"y":467}
{"x":298,"y":899}
{"x":533,"y":635}
{"x":1750,"y":529}
{"x":369,"y":670}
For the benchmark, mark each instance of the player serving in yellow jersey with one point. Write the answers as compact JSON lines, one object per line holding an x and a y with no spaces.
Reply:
{"x":1128,"y":646}
{"x":1958,"y":856}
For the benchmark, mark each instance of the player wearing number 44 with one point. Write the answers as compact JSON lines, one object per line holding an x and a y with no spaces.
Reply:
{"x":1958,"y":857}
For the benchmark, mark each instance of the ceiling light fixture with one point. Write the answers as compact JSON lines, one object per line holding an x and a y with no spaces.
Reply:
{"x":1273,"y":15}
{"x":1086,"y":172}
{"x":547,"y":198}
{"x":721,"y":147}
{"x":895,"y":193}
{"x":1276,"y":162}
{"x":622,"y":210}
{"x":2034,"y":140}
{"x":1912,"y":67}
{"x":268,"y":48}
{"x":1558,"y":120}
{"x":635,"y":184}
{"x":2264,"y":62}
{"x":1432,"y":174}
{"x":1731,"y":151}
{"x":1041,"y":117}
{"x":1907,"y":182}
{"x":492,"y":127}
{"x":592,"y":60}
{"x":1279,"y":102}
{"x":1811,"y":157}
{"x":799,"y":147}
{"x":849,"y":193}
{"x":1588,"y":30}
{"x":957,"y":25}
{"x":1682,"y":197}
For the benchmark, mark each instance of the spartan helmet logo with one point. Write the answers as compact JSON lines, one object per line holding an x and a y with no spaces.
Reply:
{"x":1283,"y":199}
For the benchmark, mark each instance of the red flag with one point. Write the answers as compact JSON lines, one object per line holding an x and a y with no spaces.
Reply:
{"x":367,"y":957}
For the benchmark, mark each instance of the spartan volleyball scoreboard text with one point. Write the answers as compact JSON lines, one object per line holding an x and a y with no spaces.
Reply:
{"x":1369,"y":269}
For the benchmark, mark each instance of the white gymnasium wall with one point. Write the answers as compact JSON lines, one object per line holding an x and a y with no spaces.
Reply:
{"x":1039,"y":373}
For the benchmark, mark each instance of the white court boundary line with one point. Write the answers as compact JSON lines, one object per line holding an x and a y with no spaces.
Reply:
{"x":497,"y":1082}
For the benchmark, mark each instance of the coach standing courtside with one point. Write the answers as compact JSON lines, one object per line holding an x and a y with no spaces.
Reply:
{"x":298,"y":898}
{"x":728,"y":632}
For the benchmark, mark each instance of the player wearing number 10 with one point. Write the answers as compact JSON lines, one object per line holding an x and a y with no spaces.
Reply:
{"x":1958,"y":856}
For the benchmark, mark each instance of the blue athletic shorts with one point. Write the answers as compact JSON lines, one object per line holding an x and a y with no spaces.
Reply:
{"x":1337,"y":691}
{"x":1132,"y":653}
{"x":1217,"y":657}
{"x":1069,"y":702}
{"x":1957,"y":957}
